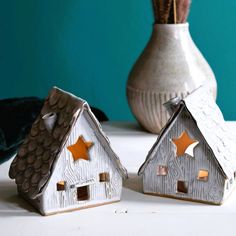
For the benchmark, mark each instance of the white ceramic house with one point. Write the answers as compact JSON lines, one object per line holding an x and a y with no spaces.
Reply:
{"x":66,"y":162}
{"x":194,"y":156}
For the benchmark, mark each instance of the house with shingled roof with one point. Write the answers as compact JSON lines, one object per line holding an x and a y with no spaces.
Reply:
{"x":194,"y":157}
{"x":66,"y":162}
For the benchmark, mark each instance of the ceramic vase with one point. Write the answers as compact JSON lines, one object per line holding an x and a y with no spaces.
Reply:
{"x":171,"y":65}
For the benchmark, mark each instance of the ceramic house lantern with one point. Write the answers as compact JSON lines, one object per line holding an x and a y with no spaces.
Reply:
{"x":66,"y":162}
{"x":194,"y":155}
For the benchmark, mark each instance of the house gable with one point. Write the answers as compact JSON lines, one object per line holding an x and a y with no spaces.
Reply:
{"x":182,"y":172}
{"x":36,"y":159}
{"x":97,"y":173}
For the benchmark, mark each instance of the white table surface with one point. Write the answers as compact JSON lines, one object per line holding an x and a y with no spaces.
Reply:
{"x":136,"y":214}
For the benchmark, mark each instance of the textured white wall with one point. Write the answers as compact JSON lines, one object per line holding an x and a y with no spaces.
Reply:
{"x":77,"y":172}
{"x":186,"y":167}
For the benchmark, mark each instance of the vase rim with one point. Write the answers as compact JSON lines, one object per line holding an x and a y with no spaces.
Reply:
{"x":186,"y":24}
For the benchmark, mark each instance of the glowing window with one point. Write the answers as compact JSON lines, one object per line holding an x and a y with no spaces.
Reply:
{"x":61,"y":185}
{"x":203,"y":175}
{"x":184,"y":144}
{"x":161,"y":170}
{"x":104,"y":177}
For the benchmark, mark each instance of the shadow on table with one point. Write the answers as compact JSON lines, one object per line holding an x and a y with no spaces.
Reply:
{"x":134,"y":183}
{"x":11,"y":204}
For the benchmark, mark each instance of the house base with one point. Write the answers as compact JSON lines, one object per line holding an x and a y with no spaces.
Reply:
{"x":183,"y":199}
{"x":36,"y":206}
{"x":78,"y":208}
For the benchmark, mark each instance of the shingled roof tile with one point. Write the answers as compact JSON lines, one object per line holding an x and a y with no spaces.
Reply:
{"x":13,"y":172}
{"x":34,"y":130}
{"x":39,"y":151}
{"x":41,"y":125}
{"x":38,"y":163}
{"x":28,"y":172}
{"x":47,"y":142}
{"x":25,"y":185}
{"x":35,"y":178}
{"x":22,"y":151}
{"x":21,"y":165}
{"x":62,"y":102}
{"x":32,"y":145}
{"x":44,"y":169}
{"x":19,"y":178}
{"x":30,"y":159}
{"x":53,"y":98}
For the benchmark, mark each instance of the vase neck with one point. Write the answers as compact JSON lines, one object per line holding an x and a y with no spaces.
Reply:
{"x":170,"y":30}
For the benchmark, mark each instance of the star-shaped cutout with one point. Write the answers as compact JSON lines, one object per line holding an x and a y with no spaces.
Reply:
{"x":184,"y":144}
{"x":79,"y":150}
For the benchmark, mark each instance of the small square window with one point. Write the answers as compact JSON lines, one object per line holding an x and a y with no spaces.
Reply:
{"x":61,"y":185}
{"x":104,"y":177}
{"x":182,"y":186}
{"x":203,"y":175}
{"x":161,"y":170}
{"x":83,"y":193}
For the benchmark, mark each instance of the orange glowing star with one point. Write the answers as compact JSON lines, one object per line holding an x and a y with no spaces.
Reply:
{"x":79,"y":150}
{"x":184,"y":144}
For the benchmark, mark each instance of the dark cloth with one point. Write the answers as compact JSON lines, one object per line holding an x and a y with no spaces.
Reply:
{"x":16,"y":118}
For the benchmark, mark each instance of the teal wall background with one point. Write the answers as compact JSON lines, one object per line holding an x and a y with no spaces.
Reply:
{"x":88,"y":47}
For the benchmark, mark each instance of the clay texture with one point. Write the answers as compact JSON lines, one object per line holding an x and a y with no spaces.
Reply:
{"x":200,"y":117}
{"x":43,"y":161}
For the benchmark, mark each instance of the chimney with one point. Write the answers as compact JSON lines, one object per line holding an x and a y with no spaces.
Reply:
{"x":49,"y":120}
{"x":172,"y":105}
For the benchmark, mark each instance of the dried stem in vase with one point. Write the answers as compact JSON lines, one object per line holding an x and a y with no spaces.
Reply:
{"x":171,"y":11}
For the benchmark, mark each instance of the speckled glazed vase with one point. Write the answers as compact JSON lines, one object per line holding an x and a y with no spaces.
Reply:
{"x":171,"y":65}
